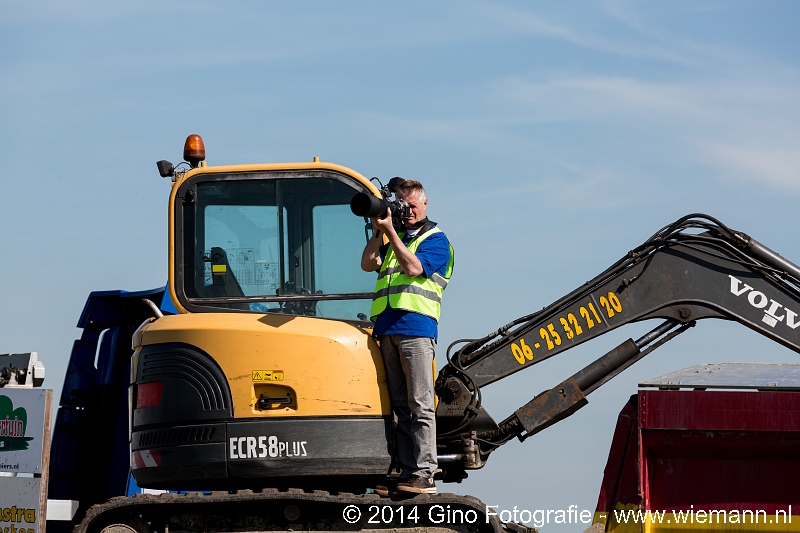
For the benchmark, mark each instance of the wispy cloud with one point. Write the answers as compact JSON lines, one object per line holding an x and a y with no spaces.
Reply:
{"x":745,"y":128}
{"x":777,"y":166}
{"x":590,"y":97}
{"x":624,"y":43}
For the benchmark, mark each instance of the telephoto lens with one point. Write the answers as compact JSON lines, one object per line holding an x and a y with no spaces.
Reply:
{"x":366,"y":205}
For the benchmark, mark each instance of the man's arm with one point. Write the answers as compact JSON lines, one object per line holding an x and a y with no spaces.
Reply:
{"x":408,"y":261}
{"x":434,"y":254}
{"x":371,"y":256}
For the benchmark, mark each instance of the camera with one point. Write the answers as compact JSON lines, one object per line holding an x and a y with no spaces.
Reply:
{"x":367,"y":205}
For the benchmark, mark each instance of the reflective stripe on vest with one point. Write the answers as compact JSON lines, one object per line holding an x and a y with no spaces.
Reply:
{"x":417,"y":294}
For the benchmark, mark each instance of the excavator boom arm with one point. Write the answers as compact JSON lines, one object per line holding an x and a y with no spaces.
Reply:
{"x":679,"y":275}
{"x":687,"y":280}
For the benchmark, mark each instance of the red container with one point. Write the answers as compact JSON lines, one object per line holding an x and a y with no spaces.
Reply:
{"x":713,"y":460}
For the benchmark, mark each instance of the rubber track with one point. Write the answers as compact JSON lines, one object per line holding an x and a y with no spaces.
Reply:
{"x":266,"y":510}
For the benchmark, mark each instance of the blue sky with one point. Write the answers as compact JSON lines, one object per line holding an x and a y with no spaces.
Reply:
{"x":551,"y":137}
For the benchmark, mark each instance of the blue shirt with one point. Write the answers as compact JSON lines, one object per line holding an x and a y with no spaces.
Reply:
{"x":434,"y":255}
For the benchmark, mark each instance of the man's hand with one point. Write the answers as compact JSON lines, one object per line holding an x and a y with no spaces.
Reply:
{"x":408,"y":261}
{"x":384,"y":224}
{"x":370,"y":258}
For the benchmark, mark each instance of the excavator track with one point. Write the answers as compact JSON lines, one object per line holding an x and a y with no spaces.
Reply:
{"x":291,"y":510}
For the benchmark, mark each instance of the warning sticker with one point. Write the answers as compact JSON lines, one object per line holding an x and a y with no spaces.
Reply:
{"x":267,"y":375}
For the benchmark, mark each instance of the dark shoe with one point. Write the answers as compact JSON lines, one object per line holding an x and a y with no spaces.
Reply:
{"x":418,"y":485}
{"x":389,"y":486}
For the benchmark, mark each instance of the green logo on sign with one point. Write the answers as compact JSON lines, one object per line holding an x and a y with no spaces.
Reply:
{"x":12,"y":426}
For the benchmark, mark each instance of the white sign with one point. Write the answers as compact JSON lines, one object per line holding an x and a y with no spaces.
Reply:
{"x":24,"y":415}
{"x":24,"y":450}
{"x":21,"y":505}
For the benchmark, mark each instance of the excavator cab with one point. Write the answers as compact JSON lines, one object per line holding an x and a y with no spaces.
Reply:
{"x":266,"y":241}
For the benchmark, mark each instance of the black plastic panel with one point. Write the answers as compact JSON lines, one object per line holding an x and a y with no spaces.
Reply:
{"x":194,"y":386}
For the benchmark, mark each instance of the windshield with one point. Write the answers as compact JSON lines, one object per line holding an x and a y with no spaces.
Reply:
{"x":274,"y":242}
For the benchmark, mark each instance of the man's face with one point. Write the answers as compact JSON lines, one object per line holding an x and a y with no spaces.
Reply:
{"x":416,"y":207}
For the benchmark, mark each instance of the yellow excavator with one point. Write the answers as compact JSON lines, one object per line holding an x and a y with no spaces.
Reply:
{"x":265,"y":391}
{"x":268,"y":369}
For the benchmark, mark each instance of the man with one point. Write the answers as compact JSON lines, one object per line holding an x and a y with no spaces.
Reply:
{"x":413,"y":270}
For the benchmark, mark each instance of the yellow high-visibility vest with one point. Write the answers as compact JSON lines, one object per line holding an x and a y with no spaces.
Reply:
{"x":417,"y":294}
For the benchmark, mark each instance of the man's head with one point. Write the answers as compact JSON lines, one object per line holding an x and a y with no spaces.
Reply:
{"x":412,"y":193}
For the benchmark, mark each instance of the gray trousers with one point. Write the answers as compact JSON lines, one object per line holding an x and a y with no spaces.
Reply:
{"x":409,"y":373}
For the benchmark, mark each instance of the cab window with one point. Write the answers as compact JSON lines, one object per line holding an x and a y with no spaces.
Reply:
{"x":274,"y":243}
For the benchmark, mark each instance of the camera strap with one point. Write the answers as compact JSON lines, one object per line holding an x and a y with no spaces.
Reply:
{"x":424,"y":226}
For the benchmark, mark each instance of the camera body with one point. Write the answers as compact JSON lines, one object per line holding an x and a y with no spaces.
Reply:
{"x":366,"y":205}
